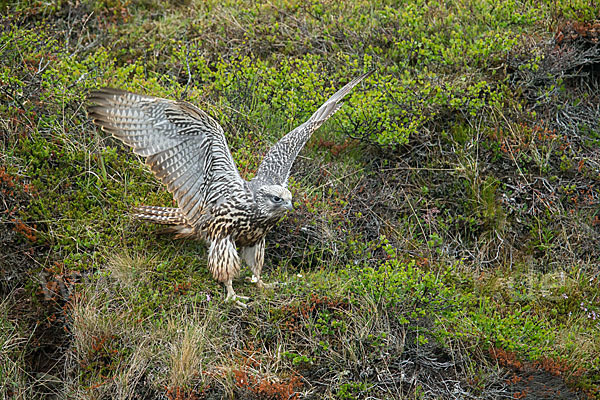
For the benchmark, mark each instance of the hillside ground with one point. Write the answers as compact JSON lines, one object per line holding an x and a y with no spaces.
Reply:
{"x":445,"y":242}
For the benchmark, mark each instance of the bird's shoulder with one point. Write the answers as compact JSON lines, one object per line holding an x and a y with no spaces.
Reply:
{"x":240,"y":202}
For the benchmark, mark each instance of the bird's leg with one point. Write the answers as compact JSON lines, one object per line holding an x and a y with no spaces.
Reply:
{"x":224,"y":264}
{"x":255,"y":258}
{"x":231,"y":296}
{"x":262,"y":285}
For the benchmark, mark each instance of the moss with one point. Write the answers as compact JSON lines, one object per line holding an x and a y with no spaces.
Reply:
{"x":447,"y":210}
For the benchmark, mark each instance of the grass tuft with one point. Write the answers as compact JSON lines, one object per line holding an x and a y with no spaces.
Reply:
{"x":446,"y":237}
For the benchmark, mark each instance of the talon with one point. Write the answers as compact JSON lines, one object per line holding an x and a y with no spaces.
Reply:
{"x":262,"y":285}
{"x":241,"y":305}
{"x":235,"y":297}
{"x":232,"y":296}
{"x":236,"y":300}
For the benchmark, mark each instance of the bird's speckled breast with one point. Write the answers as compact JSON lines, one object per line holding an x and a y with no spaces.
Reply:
{"x":241,"y":221}
{"x":253,"y":233}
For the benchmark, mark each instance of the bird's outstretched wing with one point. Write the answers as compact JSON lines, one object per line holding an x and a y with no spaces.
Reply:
{"x":275,"y":167}
{"x":184,"y":147}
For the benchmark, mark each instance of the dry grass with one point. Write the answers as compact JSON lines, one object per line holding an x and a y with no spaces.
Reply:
{"x":445,"y":239}
{"x":128,"y":270}
{"x":193,"y":348}
{"x":13,"y":375}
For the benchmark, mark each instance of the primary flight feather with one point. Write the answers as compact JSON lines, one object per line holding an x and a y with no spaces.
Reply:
{"x":187,"y":150}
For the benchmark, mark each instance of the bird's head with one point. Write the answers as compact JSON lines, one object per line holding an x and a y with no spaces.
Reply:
{"x":274,"y":200}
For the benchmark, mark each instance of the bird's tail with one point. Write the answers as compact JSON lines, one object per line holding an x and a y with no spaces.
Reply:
{"x":165,"y":216}
{"x":159,"y":215}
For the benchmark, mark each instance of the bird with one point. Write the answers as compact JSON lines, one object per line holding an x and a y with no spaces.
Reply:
{"x":187,"y":151}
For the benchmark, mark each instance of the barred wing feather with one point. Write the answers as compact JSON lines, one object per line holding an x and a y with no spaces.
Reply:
{"x":184,"y":147}
{"x":275,"y":167}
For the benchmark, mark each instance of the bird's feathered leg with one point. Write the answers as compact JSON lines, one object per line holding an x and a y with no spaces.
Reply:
{"x":255,"y":258}
{"x":224,"y":265}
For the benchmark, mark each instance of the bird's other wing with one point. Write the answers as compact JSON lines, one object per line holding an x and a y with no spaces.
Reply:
{"x":275,"y":167}
{"x":184,"y":147}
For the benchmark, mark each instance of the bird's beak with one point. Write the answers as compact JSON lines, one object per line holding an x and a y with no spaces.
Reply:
{"x":288,"y":205}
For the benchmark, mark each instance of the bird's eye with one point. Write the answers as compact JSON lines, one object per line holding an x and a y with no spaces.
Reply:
{"x":277,"y":199}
